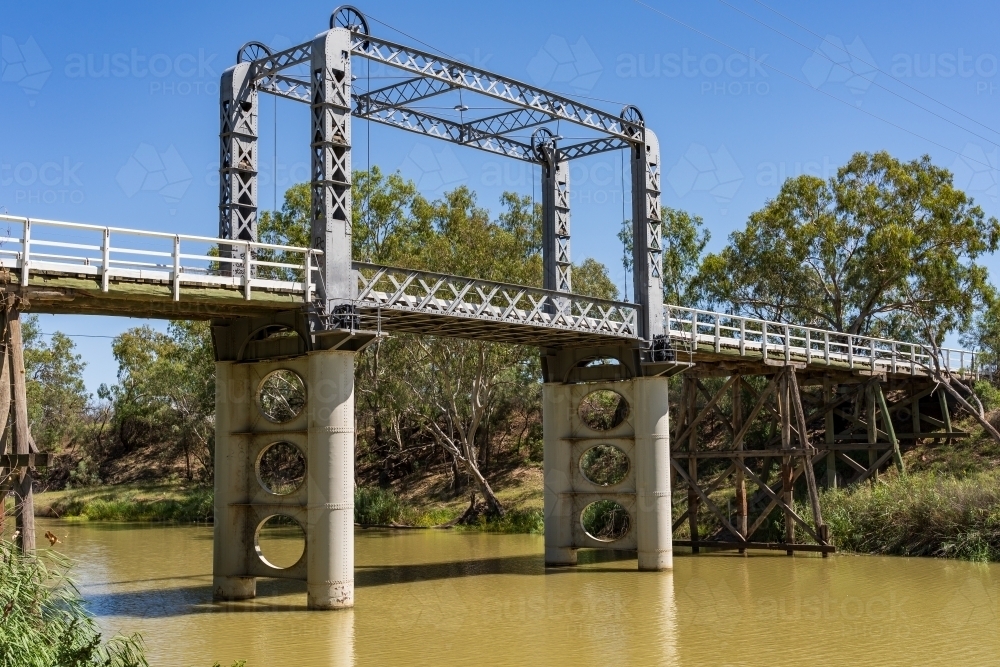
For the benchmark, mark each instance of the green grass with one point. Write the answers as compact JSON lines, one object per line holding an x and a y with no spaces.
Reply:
{"x":922,"y":514}
{"x":159,"y":502}
{"x":515,"y":520}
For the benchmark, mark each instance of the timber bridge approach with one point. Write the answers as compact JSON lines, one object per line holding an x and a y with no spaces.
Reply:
{"x":836,"y":407}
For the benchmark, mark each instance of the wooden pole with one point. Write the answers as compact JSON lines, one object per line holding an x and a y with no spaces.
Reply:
{"x":741,"y":486}
{"x":25,"y":510}
{"x":693,"y":500}
{"x":787,"y":481}
{"x":4,"y":409}
{"x":828,"y":436}
{"x":945,"y":414}
{"x":807,"y":459}
{"x":897,"y":456}
{"x":870,"y":418}
{"x":915,"y":414}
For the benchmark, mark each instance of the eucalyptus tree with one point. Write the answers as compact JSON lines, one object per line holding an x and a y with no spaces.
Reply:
{"x":884,"y":247}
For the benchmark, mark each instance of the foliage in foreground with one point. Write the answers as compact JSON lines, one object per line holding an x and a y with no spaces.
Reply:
{"x":919,"y":514}
{"x":43,"y":621}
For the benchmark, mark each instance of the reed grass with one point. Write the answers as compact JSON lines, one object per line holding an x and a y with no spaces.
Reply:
{"x":43,"y":621}
{"x":920,"y":514}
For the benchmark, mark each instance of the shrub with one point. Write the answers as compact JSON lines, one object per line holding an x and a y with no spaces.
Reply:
{"x":43,"y":621}
{"x":920,"y":514}
{"x":374,"y":506}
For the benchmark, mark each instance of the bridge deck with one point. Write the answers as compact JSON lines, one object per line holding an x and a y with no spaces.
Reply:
{"x":69,"y":268}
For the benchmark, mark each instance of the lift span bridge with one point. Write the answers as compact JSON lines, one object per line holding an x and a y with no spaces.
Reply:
{"x":838,"y":404}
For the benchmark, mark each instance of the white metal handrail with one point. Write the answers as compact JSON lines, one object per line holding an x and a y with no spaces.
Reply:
{"x":253,"y":266}
{"x":157,"y":257}
{"x":793,"y":343}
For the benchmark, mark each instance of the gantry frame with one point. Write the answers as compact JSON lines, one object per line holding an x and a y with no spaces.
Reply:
{"x":330,"y":92}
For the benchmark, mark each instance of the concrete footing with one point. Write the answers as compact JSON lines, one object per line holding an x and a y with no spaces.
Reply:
{"x":322,"y":429}
{"x":330,"y":511}
{"x":643,"y":435}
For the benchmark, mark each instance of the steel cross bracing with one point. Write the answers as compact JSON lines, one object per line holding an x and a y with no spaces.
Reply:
{"x":436,"y":75}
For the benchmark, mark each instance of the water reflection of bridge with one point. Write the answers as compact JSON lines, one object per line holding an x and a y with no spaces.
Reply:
{"x":763,"y":406}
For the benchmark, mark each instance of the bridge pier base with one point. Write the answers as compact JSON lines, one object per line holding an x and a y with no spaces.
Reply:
{"x":606,"y":458}
{"x":232,"y":542}
{"x":330,"y":510}
{"x":654,"y":533}
{"x":284,"y":448}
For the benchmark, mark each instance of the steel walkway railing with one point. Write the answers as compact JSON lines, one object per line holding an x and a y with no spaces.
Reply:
{"x":708,"y":331}
{"x":31,"y":245}
{"x":447,"y":295}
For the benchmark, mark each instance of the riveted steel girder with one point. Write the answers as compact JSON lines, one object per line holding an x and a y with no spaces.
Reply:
{"x":647,"y":248}
{"x":237,"y":163}
{"x":331,"y":164}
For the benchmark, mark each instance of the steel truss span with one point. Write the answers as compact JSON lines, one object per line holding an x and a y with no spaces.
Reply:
{"x":522,"y":123}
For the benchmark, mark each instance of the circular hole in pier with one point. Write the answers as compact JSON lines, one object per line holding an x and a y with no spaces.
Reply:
{"x":603,"y":410}
{"x":605,"y":520}
{"x":281,"y":468}
{"x":281,"y":396}
{"x":280,"y":541}
{"x":604,"y":465}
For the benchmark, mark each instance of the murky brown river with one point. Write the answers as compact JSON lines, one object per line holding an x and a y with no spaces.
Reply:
{"x":444,"y":598}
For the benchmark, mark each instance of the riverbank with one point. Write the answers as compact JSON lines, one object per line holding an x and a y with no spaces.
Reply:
{"x":422,"y":502}
{"x":920,"y":514}
{"x":175,"y":501}
{"x":940,"y":509}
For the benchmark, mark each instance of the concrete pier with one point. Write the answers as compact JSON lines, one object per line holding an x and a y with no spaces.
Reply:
{"x":639,"y":431}
{"x":330,"y":510}
{"x":233,"y":543}
{"x":654,"y":534}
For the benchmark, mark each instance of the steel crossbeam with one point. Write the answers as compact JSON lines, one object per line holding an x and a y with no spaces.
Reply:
{"x":441,"y":128}
{"x":510,"y":121}
{"x":395,"y":96}
{"x":287,"y":87}
{"x":517,"y":93}
{"x":272,"y":64}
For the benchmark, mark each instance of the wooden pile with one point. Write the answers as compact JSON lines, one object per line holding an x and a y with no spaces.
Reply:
{"x":19,"y":455}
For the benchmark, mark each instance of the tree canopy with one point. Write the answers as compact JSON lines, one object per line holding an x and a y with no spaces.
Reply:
{"x":684,"y":240}
{"x":885,"y":247}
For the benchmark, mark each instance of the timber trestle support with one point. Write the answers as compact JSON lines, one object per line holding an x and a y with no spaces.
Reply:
{"x":753,"y":444}
{"x":19,"y":455}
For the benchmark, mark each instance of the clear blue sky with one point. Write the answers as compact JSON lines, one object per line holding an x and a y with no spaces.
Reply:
{"x":109,"y":111}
